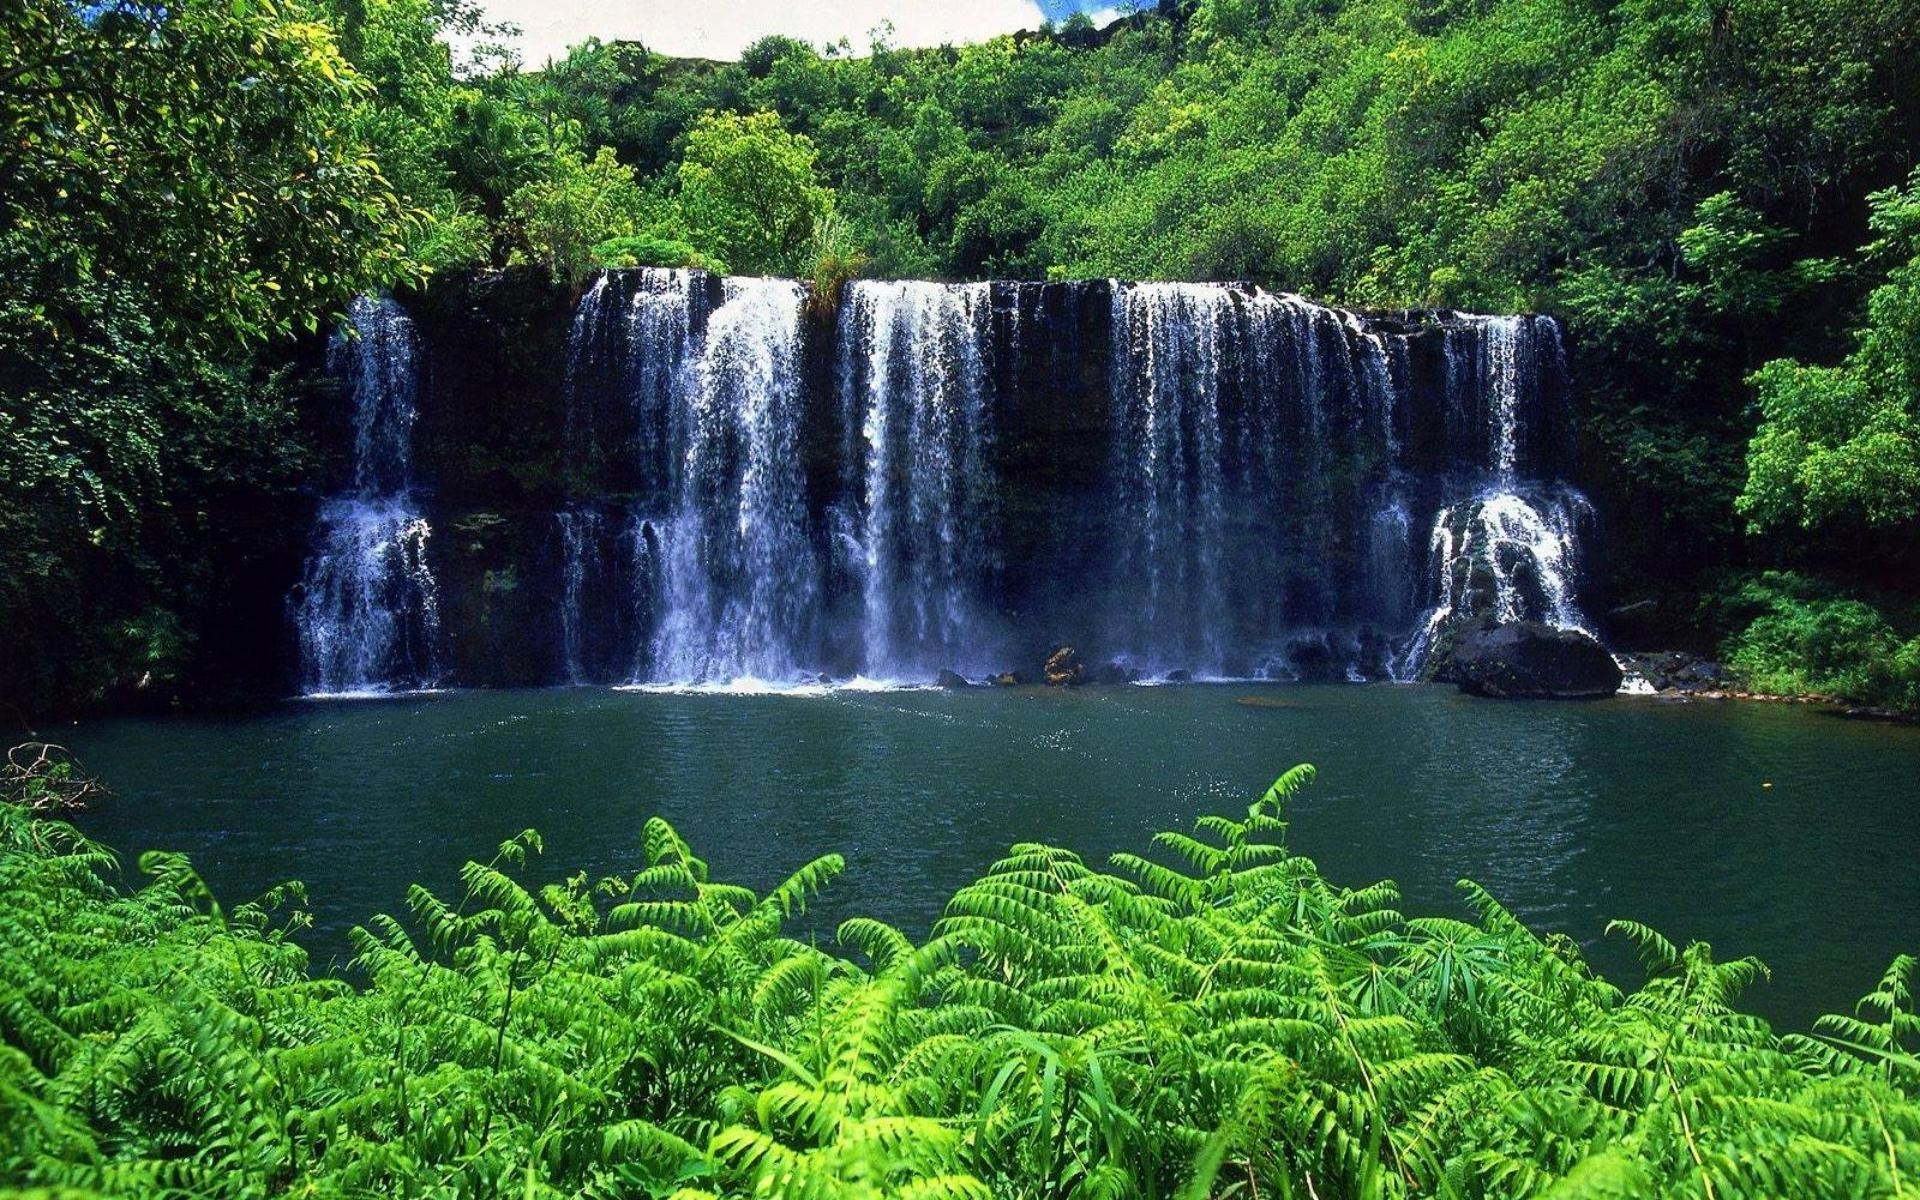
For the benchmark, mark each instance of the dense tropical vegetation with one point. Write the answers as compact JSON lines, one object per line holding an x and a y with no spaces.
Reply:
{"x":1719,"y":197}
{"x":1216,"y":1019}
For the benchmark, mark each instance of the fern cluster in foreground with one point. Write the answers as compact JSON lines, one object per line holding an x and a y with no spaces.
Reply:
{"x":1219,"y":1020}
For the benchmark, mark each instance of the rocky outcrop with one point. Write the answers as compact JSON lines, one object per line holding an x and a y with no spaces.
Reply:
{"x":951,"y":680}
{"x":1064,"y":668}
{"x":1677,"y":671}
{"x":1530,"y":660}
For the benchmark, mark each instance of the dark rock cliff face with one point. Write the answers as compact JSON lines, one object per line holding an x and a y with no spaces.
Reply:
{"x":489,"y":461}
{"x":493,"y":391}
{"x":1182,"y":478}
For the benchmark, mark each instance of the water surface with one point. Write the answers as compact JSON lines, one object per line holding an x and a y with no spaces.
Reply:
{"x":1571,"y":814}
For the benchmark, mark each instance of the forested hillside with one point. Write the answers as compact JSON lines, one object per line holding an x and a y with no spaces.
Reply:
{"x":1720,"y":200}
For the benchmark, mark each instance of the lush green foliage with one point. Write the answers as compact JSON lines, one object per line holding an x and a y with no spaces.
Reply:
{"x":1840,"y":445}
{"x":1799,"y":636}
{"x":747,"y":190}
{"x":202,"y":160}
{"x":182,"y":187}
{"x":1218,"y":1020}
{"x":176,"y":187}
{"x":647,"y":250}
{"x":582,"y":203}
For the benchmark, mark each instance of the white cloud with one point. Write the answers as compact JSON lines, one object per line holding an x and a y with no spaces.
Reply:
{"x":722,"y":28}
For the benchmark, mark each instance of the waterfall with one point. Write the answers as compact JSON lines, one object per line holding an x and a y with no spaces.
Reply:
{"x":367,"y":608}
{"x":1169,"y":473}
{"x":914,"y":403}
{"x":1259,"y":495}
{"x":633,"y":336}
{"x":1510,"y":551}
{"x":629,"y":357}
{"x":1507,"y":556}
{"x":739,"y":574}
{"x":1206,"y":478}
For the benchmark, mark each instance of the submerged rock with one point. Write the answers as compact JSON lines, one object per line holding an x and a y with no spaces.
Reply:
{"x":1181,"y":676}
{"x":951,"y":680}
{"x":1528,"y":659}
{"x":1009,"y":679}
{"x":1266,"y":702}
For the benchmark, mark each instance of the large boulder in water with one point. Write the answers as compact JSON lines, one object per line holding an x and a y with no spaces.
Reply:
{"x":1527,"y":659}
{"x":1064,"y":668}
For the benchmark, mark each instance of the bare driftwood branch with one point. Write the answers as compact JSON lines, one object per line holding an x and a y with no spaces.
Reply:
{"x":45,"y":778}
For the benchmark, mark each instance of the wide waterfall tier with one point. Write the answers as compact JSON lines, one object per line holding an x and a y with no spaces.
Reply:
{"x":736,"y":479}
{"x":367,"y":609}
{"x":1259,"y":477}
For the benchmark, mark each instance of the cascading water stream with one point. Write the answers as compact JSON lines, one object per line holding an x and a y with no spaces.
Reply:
{"x":634,"y":337}
{"x":914,"y":402}
{"x":1246,"y":430}
{"x":367,"y":609}
{"x":740,"y":580}
{"x":1169,"y":473}
{"x":1510,"y":552}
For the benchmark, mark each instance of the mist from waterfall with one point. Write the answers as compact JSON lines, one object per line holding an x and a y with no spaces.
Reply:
{"x":367,"y":607}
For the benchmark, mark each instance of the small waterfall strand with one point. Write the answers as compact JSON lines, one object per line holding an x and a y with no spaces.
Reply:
{"x":375,"y":355}
{"x":627,"y":352}
{"x":367,"y":611}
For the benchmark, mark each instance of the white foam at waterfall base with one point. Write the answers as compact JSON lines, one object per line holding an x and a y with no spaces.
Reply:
{"x":747,"y":685}
{"x":1495,"y":536}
